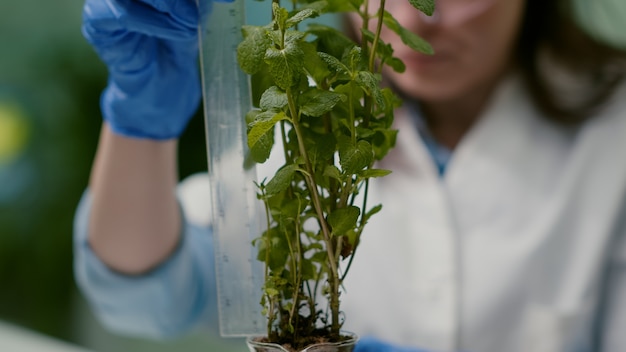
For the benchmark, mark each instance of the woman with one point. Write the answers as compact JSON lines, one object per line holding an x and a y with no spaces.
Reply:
{"x":503,"y":227}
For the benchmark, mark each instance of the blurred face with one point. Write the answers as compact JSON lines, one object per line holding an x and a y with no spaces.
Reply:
{"x":472,"y":39}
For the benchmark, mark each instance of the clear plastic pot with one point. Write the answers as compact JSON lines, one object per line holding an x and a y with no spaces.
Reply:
{"x":343,"y":346}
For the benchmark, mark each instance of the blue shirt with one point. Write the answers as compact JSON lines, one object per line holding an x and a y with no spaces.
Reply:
{"x":169,"y":300}
{"x":441,"y":154}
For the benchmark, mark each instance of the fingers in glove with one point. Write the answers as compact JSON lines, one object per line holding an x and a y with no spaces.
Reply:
{"x":101,"y":18}
{"x":183,"y":11}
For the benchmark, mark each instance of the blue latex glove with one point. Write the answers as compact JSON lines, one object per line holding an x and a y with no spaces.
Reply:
{"x":150,"y":48}
{"x":370,"y":344}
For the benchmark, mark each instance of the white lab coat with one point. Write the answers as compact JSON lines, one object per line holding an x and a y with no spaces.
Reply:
{"x":519,"y":247}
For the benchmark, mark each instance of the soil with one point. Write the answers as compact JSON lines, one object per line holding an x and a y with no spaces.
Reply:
{"x":304,"y":343}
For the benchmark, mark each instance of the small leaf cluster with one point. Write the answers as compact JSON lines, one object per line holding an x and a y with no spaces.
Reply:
{"x":323,"y":103}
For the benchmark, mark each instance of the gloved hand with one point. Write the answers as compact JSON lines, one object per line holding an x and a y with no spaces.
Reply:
{"x":370,"y":344}
{"x":150,"y":48}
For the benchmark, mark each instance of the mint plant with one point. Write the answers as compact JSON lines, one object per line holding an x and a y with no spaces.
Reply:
{"x":322,"y":91}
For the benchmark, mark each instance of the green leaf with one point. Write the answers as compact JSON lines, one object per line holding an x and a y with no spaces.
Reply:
{"x":252,"y":115}
{"x":294,"y":37}
{"x":270,"y":291}
{"x":392,"y":101}
{"x":313,"y":65}
{"x":343,"y":219}
{"x":330,"y":40}
{"x":385,"y":51}
{"x":332,"y":171}
{"x":409,"y":38}
{"x":273,"y":99}
{"x":260,"y":82}
{"x":280,"y":16}
{"x":308,"y":270}
{"x":334,"y":63}
{"x":353,"y":57}
{"x":357,"y":3}
{"x":318,"y":102}
{"x":321,"y":147}
{"x":426,"y":6}
{"x":262,"y":149}
{"x":369,"y":82}
{"x":251,"y":51}
{"x":285,"y":65}
{"x":319,"y":257}
{"x":355,"y":158}
{"x":352,"y":237}
{"x":396,"y":64}
{"x":383,"y":141}
{"x":263,"y":123}
{"x":372,"y":173}
{"x":290,"y":211}
{"x":275,"y":36}
{"x":281,"y":180}
{"x":377,"y":208}
{"x":278,"y":252}
{"x":320,"y":6}
{"x":341,"y":6}
{"x":301,"y":16}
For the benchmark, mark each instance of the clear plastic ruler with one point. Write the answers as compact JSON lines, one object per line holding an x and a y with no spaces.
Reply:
{"x":227,"y":98}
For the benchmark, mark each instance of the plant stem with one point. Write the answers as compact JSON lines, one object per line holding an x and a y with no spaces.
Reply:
{"x":310,"y":180}
{"x":295,"y":268}
{"x":270,"y":315}
{"x":366,"y":21}
{"x":283,"y":136}
{"x":334,"y":307}
{"x":317,"y":205}
{"x":379,"y":26}
{"x":359,"y":231}
{"x":277,"y":2}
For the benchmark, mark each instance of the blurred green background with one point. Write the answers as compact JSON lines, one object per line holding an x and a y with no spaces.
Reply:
{"x":50,"y":81}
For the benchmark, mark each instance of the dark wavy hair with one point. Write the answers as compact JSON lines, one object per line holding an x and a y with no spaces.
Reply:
{"x":569,"y":73}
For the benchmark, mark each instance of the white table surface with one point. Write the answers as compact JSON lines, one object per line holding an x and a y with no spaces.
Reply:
{"x":17,"y":339}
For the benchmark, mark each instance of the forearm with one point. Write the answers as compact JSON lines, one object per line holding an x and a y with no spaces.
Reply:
{"x":135,"y":221}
